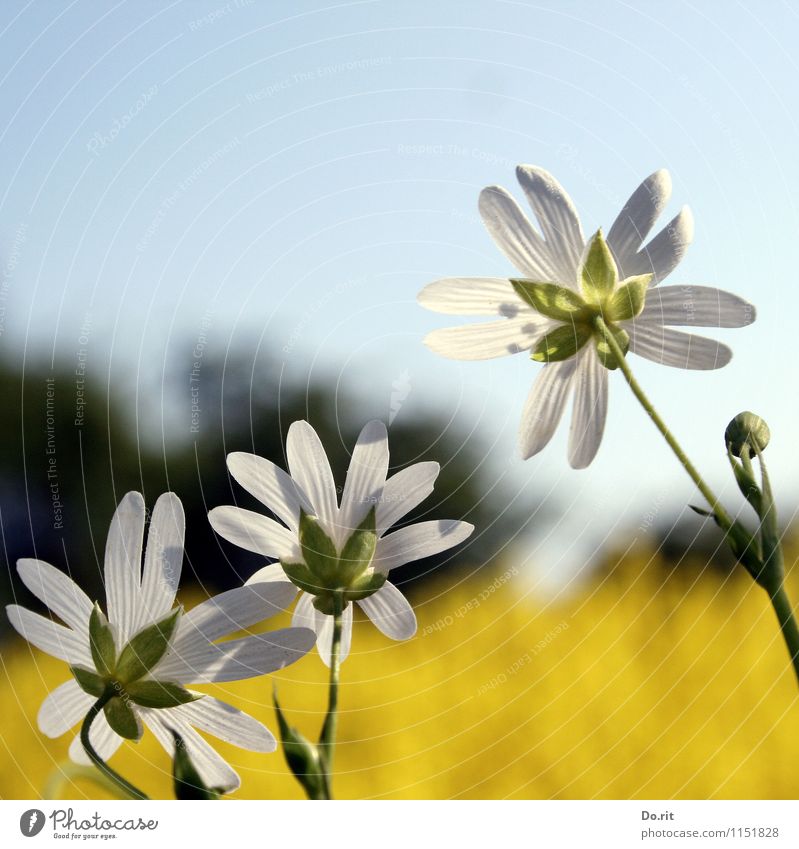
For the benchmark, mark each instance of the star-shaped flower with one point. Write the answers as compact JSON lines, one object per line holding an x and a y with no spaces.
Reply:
{"x":147,"y":652}
{"x":564,"y":283}
{"x":326,"y":547}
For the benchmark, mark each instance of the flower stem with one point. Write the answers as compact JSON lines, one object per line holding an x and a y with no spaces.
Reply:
{"x":790,"y":631}
{"x":776,"y":591}
{"x":129,"y":790}
{"x":327,"y":739}
{"x":724,"y":520}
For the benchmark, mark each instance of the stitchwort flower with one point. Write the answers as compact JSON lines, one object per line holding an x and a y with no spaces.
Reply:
{"x":566,"y":288}
{"x":132,"y":667}
{"x":331,"y":550}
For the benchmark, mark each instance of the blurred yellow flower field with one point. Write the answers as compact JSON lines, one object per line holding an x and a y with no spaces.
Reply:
{"x":633,"y":687}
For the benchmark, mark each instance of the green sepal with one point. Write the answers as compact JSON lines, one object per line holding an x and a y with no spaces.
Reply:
{"x":550,"y":299}
{"x":122,"y":719}
{"x":302,"y":757}
{"x":628,"y":300}
{"x":599,"y":275}
{"x":358,"y":551}
{"x":89,"y":681}
{"x":606,"y":355}
{"x":561,"y":343}
{"x":142,"y":653}
{"x":188,"y":784}
{"x":301,"y":576}
{"x":365,"y":586}
{"x":159,"y":694}
{"x":318,"y":550}
{"x":101,"y":642}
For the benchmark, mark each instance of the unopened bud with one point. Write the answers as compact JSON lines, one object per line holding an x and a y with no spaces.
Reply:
{"x":747,"y":429}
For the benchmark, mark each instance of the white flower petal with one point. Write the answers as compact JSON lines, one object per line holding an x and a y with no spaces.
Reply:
{"x":231,"y":611}
{"x":662,"y":254}
{"x":255,"y":532}
{"x":422,"y":539}
{"x":163,"y":560}
{"x":389,"y":610}
{"x":674,"y":348}
{"x":489,"y":339}
{"x":63,"y":708}
{"x":234,"y":660}
{"x":324,"y":634}
{"x":270,"y":485}
{"x":310,"y":467}
{"x":696,"y":306}
{"x":638,"y":216}
{"x":558,"y":218}
{"x":58,"y":591}
{"x":50,"y":637}
{"x":513,"y":234}
{"x":366,"y":477}
{"x":213,"y":769}
{"x":404,"y":491}
{"x":227,"y":723}
{"x":272,"y":572}
{"x":473,"y":296}
{"x":590,"y":409}
{"x":544,"y":407}
{"x":103,"y":739}
{"x":123,"y":552}
{"x":303,"y":615}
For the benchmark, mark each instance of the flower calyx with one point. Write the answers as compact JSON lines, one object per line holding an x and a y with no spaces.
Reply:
{"x":121,"y":678}
{"x":602,"y":297}
{"x":328,"y":574}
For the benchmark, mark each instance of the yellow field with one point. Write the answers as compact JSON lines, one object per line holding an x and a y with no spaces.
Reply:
{"x":633,"y":688}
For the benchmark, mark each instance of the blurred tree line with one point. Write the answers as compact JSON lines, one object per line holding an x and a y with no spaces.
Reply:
{"x":71,"y":446}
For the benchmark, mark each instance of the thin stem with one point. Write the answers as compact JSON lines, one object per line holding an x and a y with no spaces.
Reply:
{"x":126,"y":787}
{"x":790,"y":631}
{"x":327,"y":739}
{"x":724,"y":520}
{"x":777,"y":595}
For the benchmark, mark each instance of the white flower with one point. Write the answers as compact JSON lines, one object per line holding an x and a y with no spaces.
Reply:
{"x":310,"y":489}
{"x":137,"y":600}
{"x":556,"y":255}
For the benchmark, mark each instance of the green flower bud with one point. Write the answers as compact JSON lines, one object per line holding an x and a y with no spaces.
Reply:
{"x":187,"y":781}
{"x":302,"y":757}
{"x":749,"y":430}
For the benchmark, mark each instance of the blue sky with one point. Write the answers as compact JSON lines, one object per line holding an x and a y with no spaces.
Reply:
{"x":291,"y":174}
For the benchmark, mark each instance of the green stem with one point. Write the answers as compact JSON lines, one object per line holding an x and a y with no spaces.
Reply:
{"x":790,"y":631}
{"x":327,"y":738}
{"x":724,"y":520}
{"x":777,"y":595}
{"x":126,"y":787}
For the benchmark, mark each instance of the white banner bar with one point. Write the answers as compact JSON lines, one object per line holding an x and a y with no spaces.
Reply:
{"x":383,"y":825}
